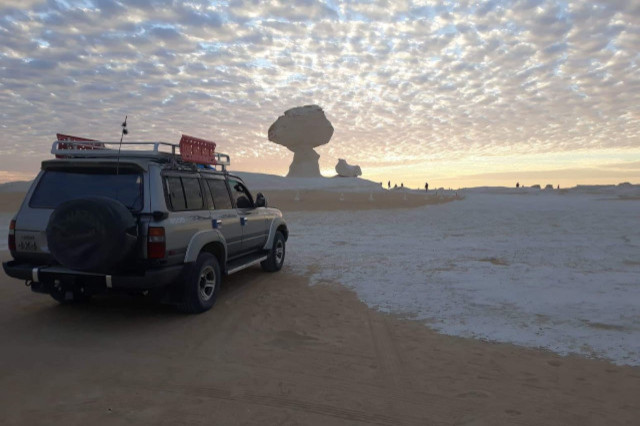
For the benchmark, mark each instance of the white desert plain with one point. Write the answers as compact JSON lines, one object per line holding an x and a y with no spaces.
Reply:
{"x":484,"y":306}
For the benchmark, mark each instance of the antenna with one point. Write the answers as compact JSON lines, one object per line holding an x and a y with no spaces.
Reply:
{"x":124,"y":132}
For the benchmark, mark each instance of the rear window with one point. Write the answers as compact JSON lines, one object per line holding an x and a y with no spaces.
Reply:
{"x":176,"y":194}
{"x":192,"y":193}
{"x":57,"y":186}
{"x":184,"y":193}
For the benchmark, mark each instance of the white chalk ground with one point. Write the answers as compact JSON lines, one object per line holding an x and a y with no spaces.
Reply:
{"x":539,"y":269}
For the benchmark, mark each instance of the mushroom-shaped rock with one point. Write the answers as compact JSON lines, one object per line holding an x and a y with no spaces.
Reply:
{"x":345,"y":170}
{"x":300,"y":130}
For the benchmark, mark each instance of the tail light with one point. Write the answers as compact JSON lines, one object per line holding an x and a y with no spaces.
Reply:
{"x":156,"y":246}
{"x":12,"y":236}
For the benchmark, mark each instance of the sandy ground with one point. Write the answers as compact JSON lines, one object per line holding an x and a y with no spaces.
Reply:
{"x":315,"y":200}
{"x":308,"y":200}
{"x":10,"y":201}
{"x":275,"y":350}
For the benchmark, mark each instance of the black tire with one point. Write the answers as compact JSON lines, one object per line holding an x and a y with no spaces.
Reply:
{"x":94,"y":234}
{"x":201,"y":284}
{"x":275,"y":258}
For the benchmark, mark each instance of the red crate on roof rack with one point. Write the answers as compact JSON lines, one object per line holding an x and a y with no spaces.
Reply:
{"x":80,"y":146}
{"x":192,"y":150}
{"x":196,"y":150}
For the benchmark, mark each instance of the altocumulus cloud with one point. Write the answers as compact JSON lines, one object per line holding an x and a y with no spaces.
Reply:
{"x":400,"y":81}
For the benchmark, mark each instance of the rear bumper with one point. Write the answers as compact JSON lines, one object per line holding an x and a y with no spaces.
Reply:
{"x":151,"y":278}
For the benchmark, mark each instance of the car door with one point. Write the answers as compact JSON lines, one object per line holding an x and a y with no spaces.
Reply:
{"x":189,"y":213}
{"x":224,"y":216}
{"x":252,"y":219}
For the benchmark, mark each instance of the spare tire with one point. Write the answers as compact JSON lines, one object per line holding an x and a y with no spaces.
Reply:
{"x":94,"y":234}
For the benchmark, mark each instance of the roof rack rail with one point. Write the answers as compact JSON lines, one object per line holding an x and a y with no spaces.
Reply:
{"x":190,"y":150}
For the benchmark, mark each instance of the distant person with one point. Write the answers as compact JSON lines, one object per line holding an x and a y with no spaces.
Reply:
{"x":517,"y":184}
{"x":402,"y":185}
{"x":395,"y":186}
{"x":558,"y":186}
{"x":389,"y":185}
{"x":426,"y":187}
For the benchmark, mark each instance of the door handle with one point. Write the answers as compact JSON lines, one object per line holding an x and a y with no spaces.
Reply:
{"x":243,"y":221}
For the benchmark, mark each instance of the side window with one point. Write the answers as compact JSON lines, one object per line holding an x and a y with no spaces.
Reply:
{"x":240,"y":195}
{"x":175,"y":193}
{"x":192,"y":193}
{"x":220,"y":194}
{"x":184,"y":193}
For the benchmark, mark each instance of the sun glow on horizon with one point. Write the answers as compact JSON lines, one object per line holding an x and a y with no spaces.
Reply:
{"x":448,"y":92}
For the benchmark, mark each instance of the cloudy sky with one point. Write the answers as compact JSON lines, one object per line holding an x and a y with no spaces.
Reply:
{"x":459,"y":93}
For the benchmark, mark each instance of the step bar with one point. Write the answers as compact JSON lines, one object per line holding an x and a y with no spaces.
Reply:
{"x":244,"y":263}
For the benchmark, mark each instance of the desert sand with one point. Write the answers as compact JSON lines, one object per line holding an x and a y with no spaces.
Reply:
{"x":10,"y":201}
{"x":275,"y":350}
{"x":318,"y":200}
{"x":308,"y":200}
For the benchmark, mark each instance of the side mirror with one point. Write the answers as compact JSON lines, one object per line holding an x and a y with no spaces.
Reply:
{"x":260,"y":200}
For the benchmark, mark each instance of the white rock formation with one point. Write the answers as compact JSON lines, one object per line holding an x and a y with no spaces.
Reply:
{"x":345,"y":170}
{"x":300,"y":130}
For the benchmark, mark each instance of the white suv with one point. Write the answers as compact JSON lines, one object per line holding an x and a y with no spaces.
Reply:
{"x":99,"y":219}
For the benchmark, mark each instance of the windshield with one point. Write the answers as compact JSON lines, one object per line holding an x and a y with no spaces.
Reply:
{"x":56,"y":187}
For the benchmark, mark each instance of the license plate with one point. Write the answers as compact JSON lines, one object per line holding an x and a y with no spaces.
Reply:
{"x":27,"y":244}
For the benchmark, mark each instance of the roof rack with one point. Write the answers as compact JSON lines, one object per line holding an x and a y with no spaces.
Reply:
{"x":190,"y":150}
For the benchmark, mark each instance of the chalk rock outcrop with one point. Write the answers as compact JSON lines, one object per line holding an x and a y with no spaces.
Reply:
{"x":300,"y":130}
{"x":345,"y":170}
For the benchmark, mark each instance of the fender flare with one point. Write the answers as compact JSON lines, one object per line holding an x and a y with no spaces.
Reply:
{"x":201,"y":239}
{"x":275,"y":224}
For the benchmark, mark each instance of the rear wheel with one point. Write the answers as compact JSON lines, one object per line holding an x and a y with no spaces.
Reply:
{"x":275,"y":258}
{"x":201,"y":285}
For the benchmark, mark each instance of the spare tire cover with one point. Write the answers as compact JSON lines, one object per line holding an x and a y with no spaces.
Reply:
{"x":91,"y":234}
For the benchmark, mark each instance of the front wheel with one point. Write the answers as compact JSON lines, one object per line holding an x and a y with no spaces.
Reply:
{"x":201,"y":285}
{"x":275,"y":258}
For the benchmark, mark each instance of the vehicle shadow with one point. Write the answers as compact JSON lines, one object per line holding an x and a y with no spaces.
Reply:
{"x":122,"y":314}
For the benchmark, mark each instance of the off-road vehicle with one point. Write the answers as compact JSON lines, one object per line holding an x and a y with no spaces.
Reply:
{"x":141,"y":217}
